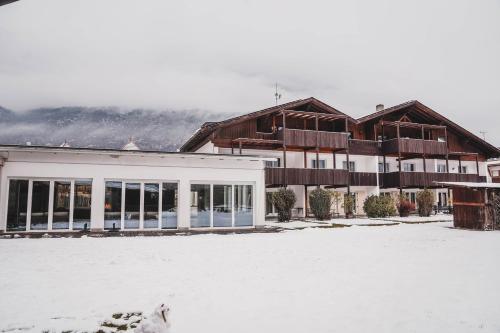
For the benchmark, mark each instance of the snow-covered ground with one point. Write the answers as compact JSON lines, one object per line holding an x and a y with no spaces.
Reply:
{"x":403,"y":278}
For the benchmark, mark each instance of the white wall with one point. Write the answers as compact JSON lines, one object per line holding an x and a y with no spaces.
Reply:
{"x":182,"y":168}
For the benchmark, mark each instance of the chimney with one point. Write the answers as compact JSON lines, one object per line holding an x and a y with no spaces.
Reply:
{"x":379,"y":107}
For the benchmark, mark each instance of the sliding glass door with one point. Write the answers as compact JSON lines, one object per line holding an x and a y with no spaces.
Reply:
{"x":113,"y":205}
{"x":200,"y":205}
{"x":17,"y":209}
{"x":82,"y":199}
{"x":40,"y":205}
{"x":62,"y":205}
{"x":132,"y":205}
{"x":151,"y":215}
{"x":223,"y":205}
{"x":243,"y":205}
{"x":169,"y":206}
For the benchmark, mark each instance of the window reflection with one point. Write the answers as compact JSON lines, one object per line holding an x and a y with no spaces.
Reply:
{"x":17,"y":209}
{"x":169,"y":206}
{"x":82,"y":204}
{"x":132,"y":205}
{"x":200,"y":205}
{"x":61,"y":206}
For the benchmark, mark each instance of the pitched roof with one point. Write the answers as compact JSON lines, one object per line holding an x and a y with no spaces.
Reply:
{"x":209,"y":127}
{"x":489,"y":148}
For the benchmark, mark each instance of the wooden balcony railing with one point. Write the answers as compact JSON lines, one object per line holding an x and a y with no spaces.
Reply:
{"x":299,"y":176}
{"x":364,"y":147}
{"x":363,"y":179}
{"x":414,"y":146}
{"x":495,"y":179}
{"x":308,"y":138}
{"x":422,"y":179}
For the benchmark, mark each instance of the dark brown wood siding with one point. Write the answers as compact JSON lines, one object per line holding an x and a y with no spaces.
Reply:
{"x":422,"y":179}
{"x":364,"y":147}
{"x":414,"y":146}
{"x":297,"y":176}
{"x":306,"y":138}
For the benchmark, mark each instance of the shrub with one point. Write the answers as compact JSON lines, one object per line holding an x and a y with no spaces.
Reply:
{"x":425,"y":201}
{"x":320,"y":201}
{"x":405,"y":206}
{"x":283,"y":201}
{"x":349,"y":205}
{"x":379,"y":206}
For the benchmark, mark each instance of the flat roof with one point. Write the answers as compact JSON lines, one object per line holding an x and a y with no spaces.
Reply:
{"x":111,"y":151}
{"x":471,"y":184}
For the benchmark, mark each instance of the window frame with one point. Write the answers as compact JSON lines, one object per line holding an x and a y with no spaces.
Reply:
{"x":233,"y":220}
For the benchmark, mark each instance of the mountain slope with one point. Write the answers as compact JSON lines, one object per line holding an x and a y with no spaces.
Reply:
{"x":102,"y":127}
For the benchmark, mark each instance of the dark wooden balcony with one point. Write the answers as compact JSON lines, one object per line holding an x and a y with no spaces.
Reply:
{"x":422,"y":179}
{"x":495,"y":179}
{"x":300,"y":176}
{"x":363,"y":179}
{"x":364,"y":147}
{"x":414,"y":146}
{"x":311,"y":138}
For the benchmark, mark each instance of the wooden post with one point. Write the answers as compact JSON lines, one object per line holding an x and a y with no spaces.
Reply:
{"x":305,"y":159}
{"x":477,"y":166}
{"x":423,"y":158}
{"x":240,"y":146}
{"x":399,"y":160}
{"x":459,"y":164}
{"x":274,"y":124}
{"x":284,"y":150}
{"x":305,"y":205}
{"x":317,"y":152}
{"x":232,"y":147}
{"x":334,"y":160}
{"x":348,"y":170}
{"x":447,"y":152}
{"x":347,"y":126}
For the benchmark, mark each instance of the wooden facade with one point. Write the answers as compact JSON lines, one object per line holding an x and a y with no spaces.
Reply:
{"x":476,"y":207}
{"x":407,"y":131}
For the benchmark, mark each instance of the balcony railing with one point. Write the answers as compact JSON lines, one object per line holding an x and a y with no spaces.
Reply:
{"x":363,"y":179}
{"x":414,"y":146}
{"x":422,"y":179}
{"x":308,"y":138}
{"x":299,"y":176}
{"x":364,"y":147}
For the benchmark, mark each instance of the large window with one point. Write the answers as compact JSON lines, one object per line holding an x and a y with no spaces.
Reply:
{"x":151,"y":205}
{"x":82,"y":204}
{"x":223,"y":206}
{"x":200,"y":205}
{"x":169,"y":206}
{"x":231,"y":205}
{"x":40,"y":205}
{"x":113,"y":205}
{"x":62,"y":205}
{"x":55,"y":204}
{"x":243,"y":205}
{"x":132,"y":205}
{"x":17,"y":209}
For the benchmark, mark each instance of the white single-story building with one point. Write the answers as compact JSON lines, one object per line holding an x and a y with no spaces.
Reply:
{"x":44,"y":189}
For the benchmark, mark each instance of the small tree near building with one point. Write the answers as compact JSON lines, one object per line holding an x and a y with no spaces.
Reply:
{"x":320,"y":201}
{"x":283,"y":200}
{"x":425,"y":201}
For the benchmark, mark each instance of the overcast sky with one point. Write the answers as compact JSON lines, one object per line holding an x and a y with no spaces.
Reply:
{"x":225,"y":56}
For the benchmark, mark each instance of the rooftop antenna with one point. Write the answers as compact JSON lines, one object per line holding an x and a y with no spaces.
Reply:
{"x":277,"y":95}
{"x":484,"y":134}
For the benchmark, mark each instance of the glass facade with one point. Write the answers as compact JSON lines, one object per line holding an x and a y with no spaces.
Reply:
{"x":151,"y":205}
{"x":113,"y":205}
{"x":169,"y":206}
{"x":200,"y":205}
{"x":132,"y":216}
{"x":66,"y":204}
{"x":17,"y":210}
{"x":223,"y":205}
{"x":61,"y":206}
{"x":243,"y":205}
{"x":40,"y":205}
{"x":82,"y":204}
